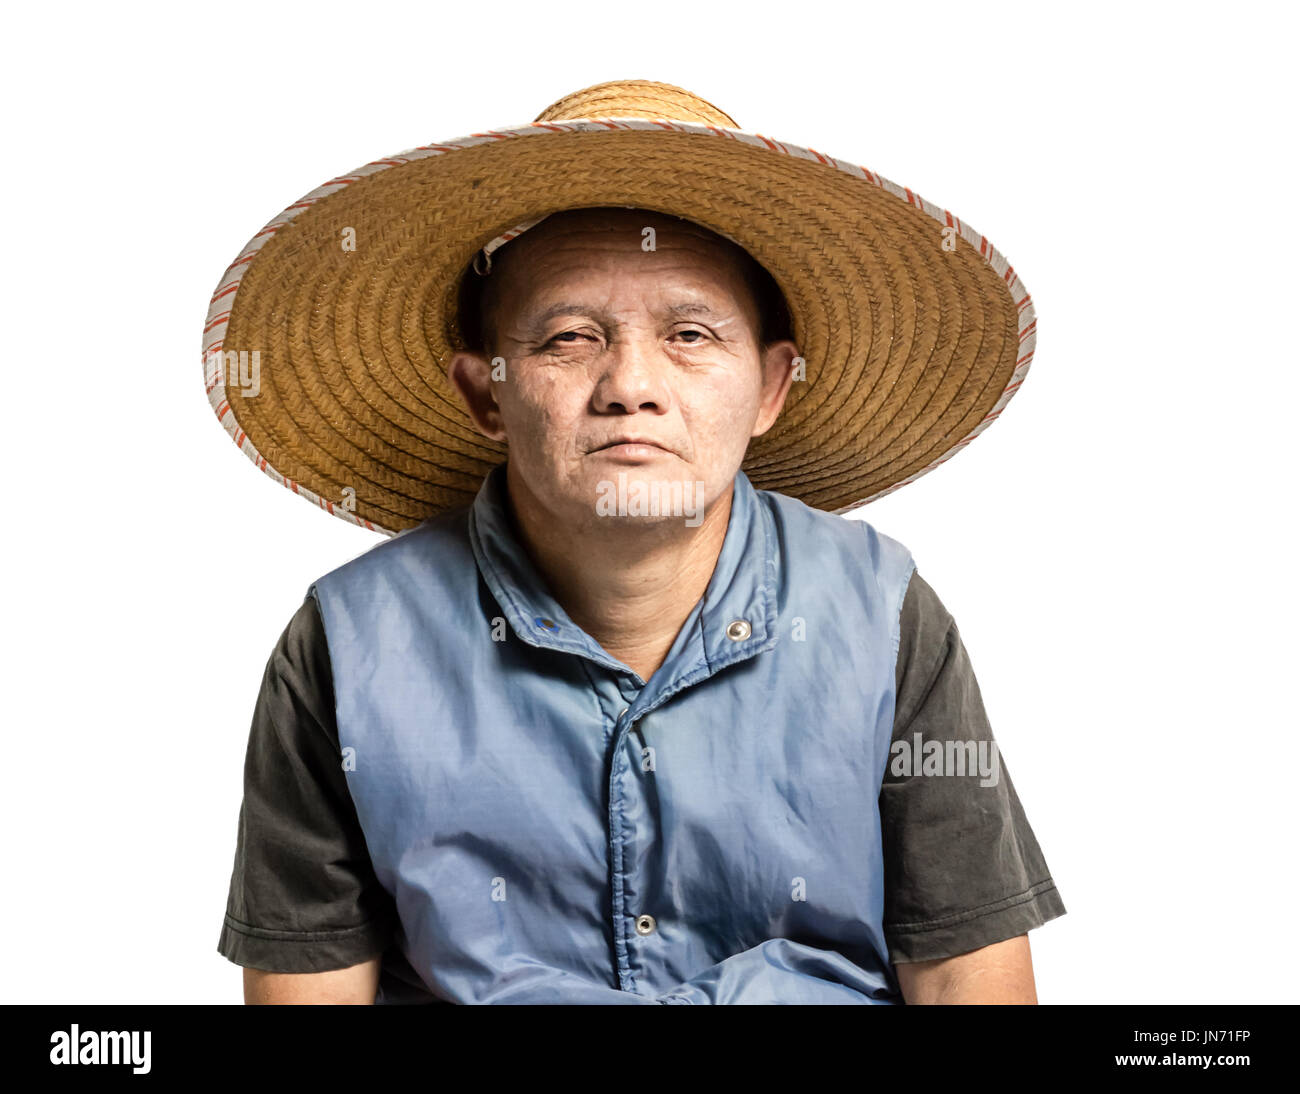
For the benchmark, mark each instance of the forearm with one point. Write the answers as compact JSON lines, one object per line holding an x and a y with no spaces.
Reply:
{"x":355,"y":985}
{"x":1000,"y":973}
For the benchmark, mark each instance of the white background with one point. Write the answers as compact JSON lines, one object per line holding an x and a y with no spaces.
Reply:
{"x":1118,"y":548}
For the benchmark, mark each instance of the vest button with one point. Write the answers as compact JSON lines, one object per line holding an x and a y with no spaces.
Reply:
{"x":645,"y":924}
{"x":738,"y":630}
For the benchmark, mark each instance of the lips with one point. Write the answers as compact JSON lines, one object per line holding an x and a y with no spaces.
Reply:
{"x":630,"y":440}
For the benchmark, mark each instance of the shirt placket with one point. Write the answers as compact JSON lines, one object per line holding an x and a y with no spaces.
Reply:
{"x":736,"y":624}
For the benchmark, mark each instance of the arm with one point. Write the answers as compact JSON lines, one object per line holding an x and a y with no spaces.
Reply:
{"x":357,"y":984}
{"x":306,"y":916}
{"x":1000,"y":973}
{"x":965,"y":879}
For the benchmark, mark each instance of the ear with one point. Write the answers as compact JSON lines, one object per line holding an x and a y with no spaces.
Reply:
{"x":471,"y":373}
{"x":778,"y":374}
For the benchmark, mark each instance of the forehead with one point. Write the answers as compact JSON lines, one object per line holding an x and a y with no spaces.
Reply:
{"x":582,"y":243}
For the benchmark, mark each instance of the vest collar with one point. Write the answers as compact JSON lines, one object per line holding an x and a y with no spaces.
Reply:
{"x":743,"y":589}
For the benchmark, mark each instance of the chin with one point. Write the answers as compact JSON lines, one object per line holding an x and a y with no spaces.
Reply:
{"x":649,"y":495}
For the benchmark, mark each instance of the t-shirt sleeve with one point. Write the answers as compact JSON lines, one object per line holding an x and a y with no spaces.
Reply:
{"x":303,"y":893}
{"x":962,"y":867}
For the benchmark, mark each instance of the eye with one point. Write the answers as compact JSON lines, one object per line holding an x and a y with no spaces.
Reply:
{"x":565,"y":338}
{"x":700,"y":336}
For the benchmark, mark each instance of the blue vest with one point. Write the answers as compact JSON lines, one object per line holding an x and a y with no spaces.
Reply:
{"x":554,"y":829}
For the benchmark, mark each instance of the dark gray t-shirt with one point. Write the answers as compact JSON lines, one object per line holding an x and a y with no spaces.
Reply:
{"x":962,"y":867}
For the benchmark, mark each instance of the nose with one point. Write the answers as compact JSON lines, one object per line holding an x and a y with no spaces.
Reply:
{"x":633,"y":377}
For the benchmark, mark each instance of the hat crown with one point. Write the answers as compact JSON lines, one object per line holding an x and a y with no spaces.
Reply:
{"x":636,"y":99}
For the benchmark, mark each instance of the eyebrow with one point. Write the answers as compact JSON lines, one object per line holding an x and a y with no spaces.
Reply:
{"x":685,"y":309}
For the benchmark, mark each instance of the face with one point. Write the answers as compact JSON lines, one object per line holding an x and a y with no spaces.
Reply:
{"x":623,"y":366}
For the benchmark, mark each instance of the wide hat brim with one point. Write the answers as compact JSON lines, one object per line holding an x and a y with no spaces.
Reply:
{"x":327,"y":339}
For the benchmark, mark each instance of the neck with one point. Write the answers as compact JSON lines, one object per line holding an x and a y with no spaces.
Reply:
{"x":629,"y":585}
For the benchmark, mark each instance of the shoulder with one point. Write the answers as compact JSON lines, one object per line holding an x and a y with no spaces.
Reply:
{"x":436,"y":540}
{"x":932,"y":661}
{"x":297,"y":693}
{"x":301,"y":650}
{"x":856,"y":537}
{"x":925,"y":621}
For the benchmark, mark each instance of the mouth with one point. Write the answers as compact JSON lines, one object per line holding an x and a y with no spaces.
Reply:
{"x":631,"y":446}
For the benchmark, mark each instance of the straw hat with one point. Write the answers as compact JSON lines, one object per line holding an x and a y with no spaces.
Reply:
{"x":327,"y":340}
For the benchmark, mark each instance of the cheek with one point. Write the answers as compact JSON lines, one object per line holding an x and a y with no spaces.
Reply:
{"x":720,"y":412}
{"x":542,"y":404}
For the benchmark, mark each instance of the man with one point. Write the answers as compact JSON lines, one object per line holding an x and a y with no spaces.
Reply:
{"x":623,"y":729}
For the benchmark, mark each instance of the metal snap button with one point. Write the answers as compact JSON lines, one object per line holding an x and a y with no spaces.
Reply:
{"x":645,"y":924}
{"x":738,"y":630}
